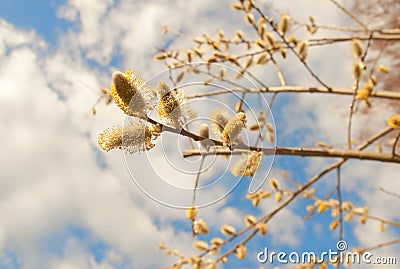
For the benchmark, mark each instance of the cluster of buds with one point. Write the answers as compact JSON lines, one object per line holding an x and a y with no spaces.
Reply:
{"x":135,"y":97}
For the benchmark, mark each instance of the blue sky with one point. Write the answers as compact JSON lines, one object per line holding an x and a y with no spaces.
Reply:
{"x":66,"y":204}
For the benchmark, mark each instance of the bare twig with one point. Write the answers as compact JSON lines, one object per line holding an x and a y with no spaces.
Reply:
{"x":351,"y":15}
{"x":391,"y":95}
{"x":396,"y":141}
{"x":305,"y":152}
{"x":390,"y":193}
{"x":339,"y":194}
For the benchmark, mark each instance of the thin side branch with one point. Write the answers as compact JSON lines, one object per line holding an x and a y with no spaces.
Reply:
{"x":394,"y":95}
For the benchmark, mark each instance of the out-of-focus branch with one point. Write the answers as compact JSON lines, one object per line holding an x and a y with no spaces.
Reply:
{"x":394,"y":95}
{"x":308,"y":184}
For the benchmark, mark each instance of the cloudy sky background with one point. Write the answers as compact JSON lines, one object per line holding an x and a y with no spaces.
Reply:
{"x":65,"y":204}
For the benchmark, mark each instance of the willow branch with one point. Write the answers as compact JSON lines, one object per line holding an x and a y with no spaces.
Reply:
{"x":393,"y":95}
{"x":306,"y":152}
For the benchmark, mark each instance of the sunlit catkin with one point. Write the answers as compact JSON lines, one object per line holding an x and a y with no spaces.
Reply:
{"x":135,"y":137}
{"x":131,"y":93}
{"x":173,"y":104}
{"x":200,"y":245}
{"x":301,"y":49}
{"x":138,"y":137}
{"x":247,"y":165}
{"x":382,"y":69}
{"x":356,"y":46}
{"x":200,"y":227}
{"x":191,"y":213}
{"x":240,"y":252}
{"x":284,"y":24}
{"x":394,"y":121}
{"x":358,"y":69}
{"x":334,"y":224}
{"x":233,"y":128}
{"x":218,"y":119}
{"x":110,"y":139}
{"x":262,"y":227}
{"x":250,"y":220}
{"x":273,"y":183}
{"x":227,"y":230}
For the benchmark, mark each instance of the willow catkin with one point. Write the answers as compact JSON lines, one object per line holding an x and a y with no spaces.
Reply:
{"x":394,"y":121}
{"x":301,"y":49}
{"x":135,"y":137}
{"x":233,"y":128}
{"x":218,"y":120}
{"x":247,"y":165}
{"x":240,"y":252}
{"x":358,"y":70}
{"x":200,"y":245}
{"x":356,"y":46}
{"x":173,"y":104}
{"x":204,"y":133}
{"x":284,"y":24}
{"x":131,"y":93}
{"x":250,"y":220}
{"x":110,"y":139}
{"x":227,"y":230}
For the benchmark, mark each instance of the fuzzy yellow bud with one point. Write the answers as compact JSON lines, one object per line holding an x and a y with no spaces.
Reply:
{"x":262,"y":59}
{"x":273,"y":183}
{"x":284,"y":24}
{"x":382,"y":69}
{"x":237,"y":6}
{"x":363,"y":94}
{"x":261,"y":43}
{"x":135,"y":137}
{"x":334,"y":224}
{"x":278,"y":196}
{"x":233,"y":128}
{"x":217,"y":242}
{"x":191,"y":213}
{"x":111,"y":139}
{"x":322,"y":207}
{"x":382,"y":227}
{"x":250,"y":18}
{"x":247,"y":165}
{"x":200,"y":245}
{"x":363,"y":219}
{"x":240,"y":252}
{"x":219,"y":119}
{"x":250,"y":220}
{"x":200,"y":227}
{"x":301,"y":49}
{"x":357,"y":48}
{"x":160,"y":56}
{"x":262,"y":227}
{"x":227,"y":230}
{"x":270,"y":38}
{"x":358,"y":70}
{"x":131,"y":93}
{"x":173,"y":104}
{"x":348,"y":217}
{"x":394,"y":121}
{"x":204,"y":133}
